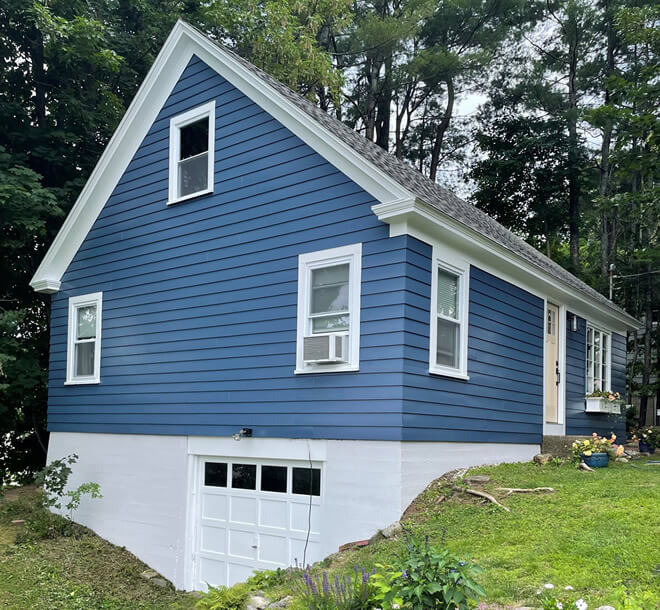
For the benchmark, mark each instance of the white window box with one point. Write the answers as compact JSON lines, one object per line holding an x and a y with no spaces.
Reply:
{"x":603,"y":405}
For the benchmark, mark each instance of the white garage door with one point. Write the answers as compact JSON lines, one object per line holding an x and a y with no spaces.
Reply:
{"x":254,"y":515}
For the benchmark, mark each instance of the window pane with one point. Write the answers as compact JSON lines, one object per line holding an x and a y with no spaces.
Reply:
{"x":84,"y":359}
{"x":328,"y":324}
{"x":447,"y":294}
{"x":194,"y":138}
{"x":306,"y":481}
{"x":86,"y":323}
{"x":447,"y":348}
{"x":330,"y":289}
{"x":193,"y":175}
{"x":215,"y":474}
{"x":597,"y":362}
{"x":604,"y":348}
{"x":244,"y":476}
{"x":273,"y":478}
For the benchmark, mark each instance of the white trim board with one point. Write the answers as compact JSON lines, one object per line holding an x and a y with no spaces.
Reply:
{"x":183,"y":42}
{"x":430,"y":225}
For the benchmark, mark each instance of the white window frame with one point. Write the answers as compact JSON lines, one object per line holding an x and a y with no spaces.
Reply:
{"x":309,"y":261}
{"x":76,"y":303}
{"x":608,"y":365}
{"x":463,"y":276}
{"x":176,"y":124}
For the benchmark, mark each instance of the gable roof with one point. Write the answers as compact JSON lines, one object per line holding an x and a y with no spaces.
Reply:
{"x":388,"y":179}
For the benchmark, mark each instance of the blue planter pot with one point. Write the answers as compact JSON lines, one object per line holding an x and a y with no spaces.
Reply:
{"x":596,"y":460}
{"x":645,"y":448}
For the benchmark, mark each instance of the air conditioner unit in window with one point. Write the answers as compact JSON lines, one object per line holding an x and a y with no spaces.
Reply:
{"x":325,"y":349}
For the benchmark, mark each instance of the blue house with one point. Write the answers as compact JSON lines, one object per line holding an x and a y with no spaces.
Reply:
{"x":269,"y":335}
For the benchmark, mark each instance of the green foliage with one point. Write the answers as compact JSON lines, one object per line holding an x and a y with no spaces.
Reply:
{"x":348,"y":592}
{"x":225,"y":598}
{"x":268,"y":578}
{"x":75,"y":496}
{"x":53,"y":478}
{"x":430,"y":577}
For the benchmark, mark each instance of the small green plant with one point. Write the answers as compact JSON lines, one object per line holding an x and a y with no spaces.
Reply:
{"x":225,"y":598}
{"x":53,"y":478}
{"x":551,"y":598}
{"x":346,"y":593}
{"x":428,"y":577}
{"x":268,"y":578}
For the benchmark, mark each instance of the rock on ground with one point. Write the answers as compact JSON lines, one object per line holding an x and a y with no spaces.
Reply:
{"x":282,"y":603}
{"x":477,"y":479}
{"x":542,"y":458}
{"x":394,"y":529}
{"x":257,"y":602}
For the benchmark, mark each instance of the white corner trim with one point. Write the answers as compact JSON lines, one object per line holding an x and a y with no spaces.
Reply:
{"x":351,"y":254}
{"x":417,"y":218}
{"x":183,"y":42}
{"x":176,"y":123}
{"x":83,"y":300}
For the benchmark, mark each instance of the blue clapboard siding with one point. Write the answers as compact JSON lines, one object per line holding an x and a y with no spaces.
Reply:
{"x":577,"y":421}
{"x":199,"y":298}
{"x":503,"y":399}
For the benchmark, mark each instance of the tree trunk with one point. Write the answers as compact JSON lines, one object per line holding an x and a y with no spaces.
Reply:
{"x":573,"y":153}
{"x":648,"y":331}
{"x":441,"y":130}
{"x":384,"y":107}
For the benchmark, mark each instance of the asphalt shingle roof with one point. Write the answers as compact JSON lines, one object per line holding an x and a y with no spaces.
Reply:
{"x":426,"y":190}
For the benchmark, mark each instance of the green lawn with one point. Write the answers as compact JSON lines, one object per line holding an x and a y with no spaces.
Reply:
{"x":598,"y":532}
{"x":80,"y":572}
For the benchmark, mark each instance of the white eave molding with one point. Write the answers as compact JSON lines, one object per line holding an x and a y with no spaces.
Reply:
{"x":419,"y":219}
{"x":183,"y":42}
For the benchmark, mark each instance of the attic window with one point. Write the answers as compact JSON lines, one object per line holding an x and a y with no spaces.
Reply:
{"x":191,"y":153}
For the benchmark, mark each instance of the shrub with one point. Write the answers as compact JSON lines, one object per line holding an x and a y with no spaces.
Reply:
{"x":428,"y":577}
{"x":225,"y":598}
{"x":595,"y":444}
{"x":268,"y":578}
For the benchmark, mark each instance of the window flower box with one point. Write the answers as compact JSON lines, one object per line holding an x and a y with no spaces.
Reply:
{"x":603,"y":405}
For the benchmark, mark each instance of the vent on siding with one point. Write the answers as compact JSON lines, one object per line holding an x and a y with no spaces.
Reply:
{"x":325,"y":349}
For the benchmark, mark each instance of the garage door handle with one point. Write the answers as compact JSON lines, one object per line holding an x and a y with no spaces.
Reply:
{"x":254,"y":546}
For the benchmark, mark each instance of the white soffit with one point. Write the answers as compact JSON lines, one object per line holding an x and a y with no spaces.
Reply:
{"x":182,"y":43}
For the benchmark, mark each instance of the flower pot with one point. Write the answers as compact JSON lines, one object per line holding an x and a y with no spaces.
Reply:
{"x":644,"y":447}
{"x":596,"y":460}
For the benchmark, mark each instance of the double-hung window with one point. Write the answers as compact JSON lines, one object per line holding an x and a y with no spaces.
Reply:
{"x":598,"y":360}
{"x":84,"y":339}
{"x":448,"y":350}
{"x":191,"y":153}
{"x":329,"y":310}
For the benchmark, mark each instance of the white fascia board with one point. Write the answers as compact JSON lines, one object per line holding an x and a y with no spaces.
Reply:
{"x":182,"y":43}
{"x":427,"y":223}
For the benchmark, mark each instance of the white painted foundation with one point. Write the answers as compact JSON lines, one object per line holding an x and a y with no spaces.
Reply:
{"x":149,"y":490}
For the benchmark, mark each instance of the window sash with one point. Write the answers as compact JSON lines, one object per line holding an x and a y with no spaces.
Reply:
{"x":338,"y":313}
{"x":83,"y":352}
{"x":597,"y":360}
{"x":449,"y":358}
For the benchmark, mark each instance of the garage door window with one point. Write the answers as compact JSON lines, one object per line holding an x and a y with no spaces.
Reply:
{"x":215,"y":474}
{"x":244,"y":476}
{"x":306,"y":481}
{"x":273,"y":478}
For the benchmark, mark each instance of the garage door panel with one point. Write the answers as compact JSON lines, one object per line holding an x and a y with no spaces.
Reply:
{"x":274,"y":549}
{"x":213,"y":539}
{"x":214,"y":507}
{"x":243,"y":510}
{"x":273,"y":513}
{"x":300,"y":518}
{"x":212,"y":571}
{"x":237,"y":572}
{"x":243,"y":544}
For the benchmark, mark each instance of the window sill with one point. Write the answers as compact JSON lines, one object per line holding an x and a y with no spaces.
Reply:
{"x":448,"y":373}
{"x":191,"y":196}
{"x":82,"y":382}
{"x":327,"y":369}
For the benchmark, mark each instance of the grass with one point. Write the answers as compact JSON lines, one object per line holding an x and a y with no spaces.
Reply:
{"x":75,"y":571}
{"x":597,"y":533}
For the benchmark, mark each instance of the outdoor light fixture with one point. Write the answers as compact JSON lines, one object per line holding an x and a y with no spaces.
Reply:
{"x":242,"y":433}
{"x":574,"y":323}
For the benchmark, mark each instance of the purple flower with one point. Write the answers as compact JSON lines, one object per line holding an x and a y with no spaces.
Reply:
{"x":326,"y":588}
{"x":365,"y":578}
{"x":404,"y":574}
{"x":462,"y":563}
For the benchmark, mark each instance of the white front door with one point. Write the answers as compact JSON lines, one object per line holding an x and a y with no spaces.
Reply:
{"x":552,"y":365}
{"x":254,"y":515}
